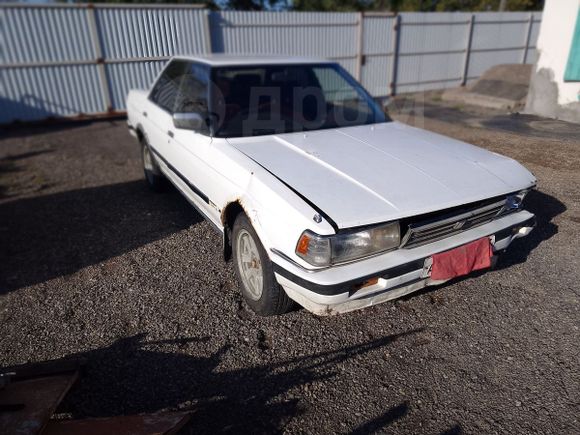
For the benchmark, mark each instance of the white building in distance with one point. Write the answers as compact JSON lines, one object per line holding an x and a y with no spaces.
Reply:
{"x":555,"y":82}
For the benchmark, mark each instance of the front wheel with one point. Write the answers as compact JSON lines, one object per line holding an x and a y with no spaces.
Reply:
{"x":254,"y":270}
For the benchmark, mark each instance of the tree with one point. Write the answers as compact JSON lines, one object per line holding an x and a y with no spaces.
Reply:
{"x":415,"y":5}
{"x":330,"y":5}
{"x":209,"y":4}
{"x":251,"y":5}
{"x":488,"y":5}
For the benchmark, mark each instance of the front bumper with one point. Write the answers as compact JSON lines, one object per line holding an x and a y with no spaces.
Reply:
{"x":392,"y":275}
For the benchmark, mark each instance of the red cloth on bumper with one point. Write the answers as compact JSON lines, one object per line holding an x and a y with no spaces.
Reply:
{"x":462,"y":260}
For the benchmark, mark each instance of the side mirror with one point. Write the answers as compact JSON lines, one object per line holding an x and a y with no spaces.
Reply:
{"x":188,"y":121}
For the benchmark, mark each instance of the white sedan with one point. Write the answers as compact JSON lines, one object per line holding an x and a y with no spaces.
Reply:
{"x":320,"y":197}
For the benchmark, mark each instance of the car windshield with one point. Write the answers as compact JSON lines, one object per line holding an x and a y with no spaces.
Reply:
{"x":260,"y":100}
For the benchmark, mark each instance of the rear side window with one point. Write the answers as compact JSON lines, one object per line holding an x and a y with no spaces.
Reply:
{"x":164,"y":93}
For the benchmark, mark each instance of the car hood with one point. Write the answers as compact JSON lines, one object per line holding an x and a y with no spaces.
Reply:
{"x":376,"y":173}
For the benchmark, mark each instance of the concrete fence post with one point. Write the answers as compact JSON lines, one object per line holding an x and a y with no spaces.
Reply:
{"x":528,"y":35}
{"x":100,"y":61}
{"x":396,"y":37}
{"x":467,"y":50}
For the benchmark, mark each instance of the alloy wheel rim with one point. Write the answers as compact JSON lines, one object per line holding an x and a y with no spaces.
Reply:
{"x":249,"y":264}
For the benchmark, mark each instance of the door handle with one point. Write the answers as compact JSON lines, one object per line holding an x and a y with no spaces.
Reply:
{"x":170,"y":133}
{"x":145,"y":114}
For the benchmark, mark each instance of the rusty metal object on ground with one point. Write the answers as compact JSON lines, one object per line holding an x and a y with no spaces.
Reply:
{"x":27,"y":405}
{"x":146,"y":424}
{"x":30,"y":394}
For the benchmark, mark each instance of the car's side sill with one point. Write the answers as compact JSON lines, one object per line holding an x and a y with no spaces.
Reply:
{"x":191,"y":187}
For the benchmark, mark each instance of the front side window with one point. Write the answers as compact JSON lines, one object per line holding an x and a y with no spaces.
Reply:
{"x":258,"y":100}
{"x":193,"y":92}
{"x":164,"y":93}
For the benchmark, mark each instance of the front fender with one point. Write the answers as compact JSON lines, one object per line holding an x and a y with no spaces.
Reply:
{"x":279,"y":215}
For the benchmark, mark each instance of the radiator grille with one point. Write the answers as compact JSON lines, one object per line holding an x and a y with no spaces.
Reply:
{"x":421,"y":233}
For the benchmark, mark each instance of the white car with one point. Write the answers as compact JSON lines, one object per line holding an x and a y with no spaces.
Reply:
{"x":320,"y":197}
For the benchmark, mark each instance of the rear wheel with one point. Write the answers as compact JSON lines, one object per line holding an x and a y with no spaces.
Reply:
{"x":153,"y":176}
{"x":255,"y":274}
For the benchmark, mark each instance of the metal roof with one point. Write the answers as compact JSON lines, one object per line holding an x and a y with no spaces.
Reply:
{"x":251,"y":59}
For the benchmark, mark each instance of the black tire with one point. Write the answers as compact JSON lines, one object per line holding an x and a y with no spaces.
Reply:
{"x":273,"y":299}
{"x":153,"y":175}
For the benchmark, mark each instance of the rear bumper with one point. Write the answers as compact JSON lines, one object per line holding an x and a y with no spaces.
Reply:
{"x":346,"y":288}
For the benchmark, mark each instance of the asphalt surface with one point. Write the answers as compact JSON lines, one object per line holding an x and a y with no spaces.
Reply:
{"x":95,"y":265}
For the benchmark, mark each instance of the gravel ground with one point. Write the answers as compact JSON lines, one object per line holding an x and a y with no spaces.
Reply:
{"x":95,"y":265}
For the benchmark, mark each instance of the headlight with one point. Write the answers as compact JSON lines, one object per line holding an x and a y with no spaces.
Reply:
{"x":340,"y":248}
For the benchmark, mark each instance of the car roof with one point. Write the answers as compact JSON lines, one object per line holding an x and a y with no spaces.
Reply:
{"x":250,"y":59}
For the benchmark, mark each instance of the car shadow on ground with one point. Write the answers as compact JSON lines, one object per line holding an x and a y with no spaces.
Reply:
{"x":375,"y":425}
{"x":48,"y":236}
{"x":546,"y":208}
{"x":135,"y":376}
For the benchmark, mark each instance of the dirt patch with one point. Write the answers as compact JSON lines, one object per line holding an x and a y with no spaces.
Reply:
{"x":93,"y":264}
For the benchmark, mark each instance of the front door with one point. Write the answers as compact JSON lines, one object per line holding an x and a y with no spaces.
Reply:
{"x":159,"y":111}
{"x":191,"y":150}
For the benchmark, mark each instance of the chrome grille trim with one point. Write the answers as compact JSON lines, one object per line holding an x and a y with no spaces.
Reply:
{"x":423,"y":233}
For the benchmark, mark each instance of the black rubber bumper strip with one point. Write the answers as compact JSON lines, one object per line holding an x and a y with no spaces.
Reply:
{"x":354,"y":284}
{"x":193,"y":188}
{"x":348,"y":286}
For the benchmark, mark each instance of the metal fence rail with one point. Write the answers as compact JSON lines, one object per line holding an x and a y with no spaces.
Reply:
{"x":81,"y":59}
